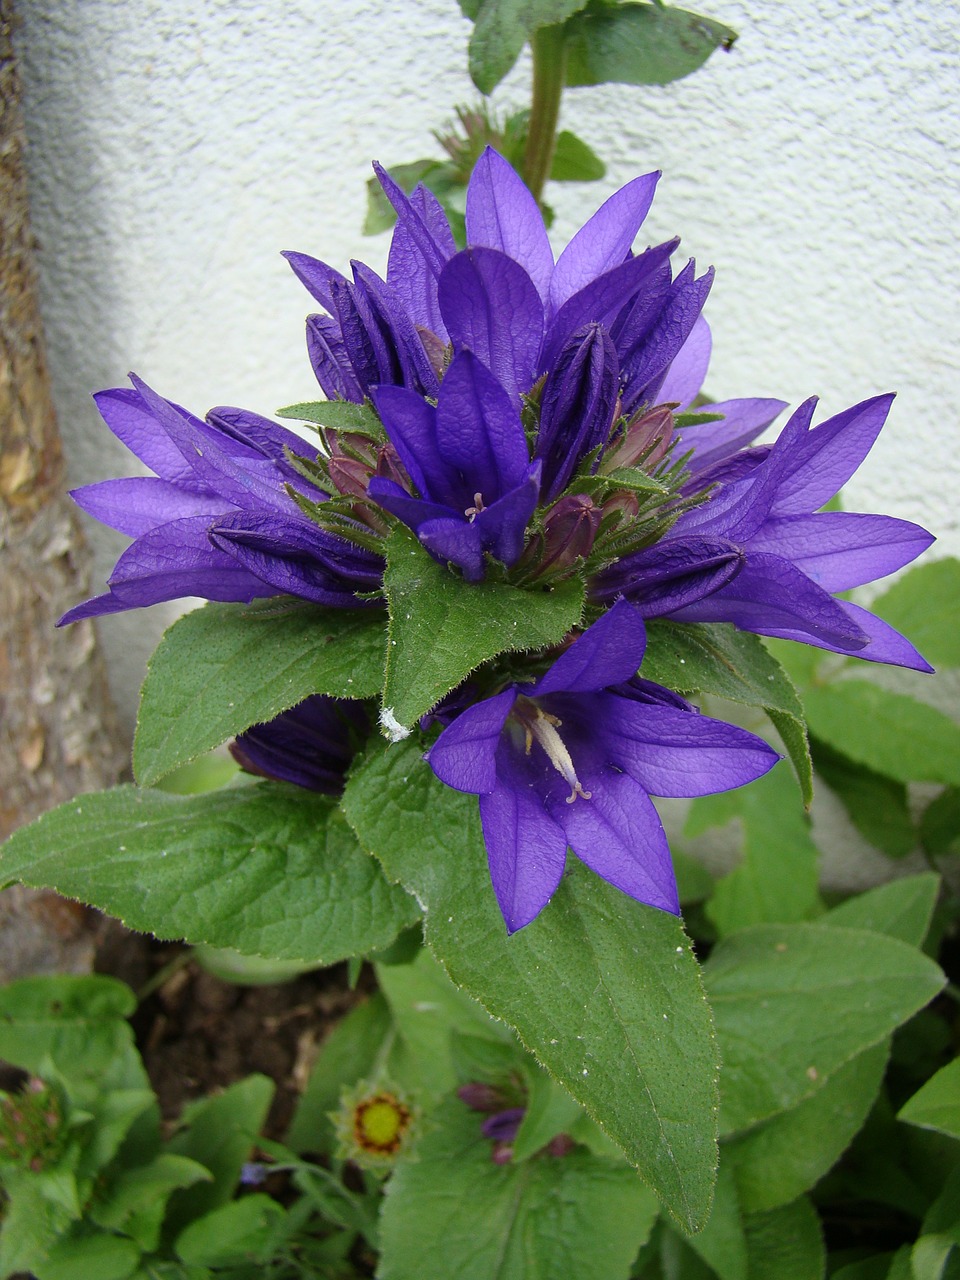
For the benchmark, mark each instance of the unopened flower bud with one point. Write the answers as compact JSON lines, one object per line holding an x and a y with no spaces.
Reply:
{"x":645,"y":438}
{"x":577,"y":406}
{"x":503,"y":1126}
{"x":569,"y":530}
{"x":559,"y":1146}
{"x":502,"y":1153}
{"x":481,"y":1097}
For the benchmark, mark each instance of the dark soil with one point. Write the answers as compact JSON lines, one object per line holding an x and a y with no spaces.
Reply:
{"x":198,"y":1034}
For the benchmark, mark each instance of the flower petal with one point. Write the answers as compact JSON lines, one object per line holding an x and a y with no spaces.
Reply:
{"x":604,"y":240}
{"x":688,"y":367}
{"x":464,"y":756}
{"x":314,"y":275}
{"x":503,"y":525}
{"x":136,"y":504}
{"x":411,"y":424}
{"x":824,"y":462}
{"x":490,"y":306}
{"x":526,"y":849}
{"x":502,"y":214}
{"x":479,"y":432}
{"x":884,"y":644}
{"x":743,"y":421}
{"x":607,"y":653}
{"x":454,"y":541}
{"x":618,"y":834}
{"x":841,"y":549}
{"x":409,"y":272}
{"x":770,"y":595}
{"x":671,"y":574}
{"x":671,"y":752}
{"x":131,"y":421}
{"x":330,"y":360}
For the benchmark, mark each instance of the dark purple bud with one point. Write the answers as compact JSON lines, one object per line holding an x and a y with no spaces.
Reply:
{"x":481,"y":1097}
{"x":579,"y":399}
{"x":311,"y":745}
{"x":569,"y":531}
{"x":560,"y":1146}
{"x":644,"y":439}
{"x":503,"y":1126}
{"x":670,"y":575}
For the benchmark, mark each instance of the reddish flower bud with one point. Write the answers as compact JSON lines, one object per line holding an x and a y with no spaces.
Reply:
{"x":569,"y":531}
{"x":645,"y":439}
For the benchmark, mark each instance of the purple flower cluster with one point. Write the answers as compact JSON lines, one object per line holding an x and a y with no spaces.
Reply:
{"x":535,"y":418}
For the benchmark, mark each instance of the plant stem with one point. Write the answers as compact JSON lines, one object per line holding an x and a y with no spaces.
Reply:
{"x":549,"y":64}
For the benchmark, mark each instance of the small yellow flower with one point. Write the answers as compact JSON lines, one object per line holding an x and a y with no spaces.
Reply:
{"x":375,"y":1125}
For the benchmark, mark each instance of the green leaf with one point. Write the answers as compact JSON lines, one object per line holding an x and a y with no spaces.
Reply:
{"x":776,"y":878}
{"x":38,"y":1208}
{"x":426,"y":1009}
{"x":877,"y":805}
{"x":79,"y":1022}
{"x":937,"y":1104}
{"x":135,"y":1200}
{"x":79,"y":1257}
{"x":218,"y":1132}
{"x":577,"y":1216}
{"x":224,"y":667}
{"x":502,"y":29}
{"x":888,"y":732}
{"x":794,"y":1003}
{"x":550,"y":1111}
{"x":266,"y":869}
{"x":778,"y":1160}
{"x":940,"y":824}
{"x":605,"y":992}
{"x":940,"y":1234}
{"x":574,"y":161}
{"x":902,"y":909}
{"x":230,"y":1233}
{"x":341,"y":415}
{"x":640,"y":44}
{"x":442,"y":628}
{"x":346,"y":1055}
{"x":718,"y":659}
{"x":925,"y":604}
{"x":786,"y":1243}
{"x":722,"y":1243}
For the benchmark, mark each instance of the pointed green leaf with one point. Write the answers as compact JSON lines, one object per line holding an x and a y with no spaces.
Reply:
{"x":722,"y":1243}
{"x":902,"y":909}
{"x":574,"y":161}
{"x":224,"y":667}
{"x":640,"y":44}
{"x":266,"y":869}
{"x":877,"y":805}
{"x":442,"y":628}
{"x":341,"y":415}
{"x":937,"y":1104}
{"x":778,"y":1160}
{"x":231,"y":1233}
{"x":891,"y":733}
{"x":605,"y":992}
{"x":576,"y":1216}
{"x":502,"y":29}
{"x":925,"y":605}
{"x":794,"y":1003}
{"x":940,"y":824}
{"x":718,"y":659}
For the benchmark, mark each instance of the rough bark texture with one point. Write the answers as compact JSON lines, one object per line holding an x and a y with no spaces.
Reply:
{"x":58,"y":731}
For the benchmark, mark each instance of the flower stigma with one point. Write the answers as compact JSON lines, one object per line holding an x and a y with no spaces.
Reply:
{"x":542,"y":726}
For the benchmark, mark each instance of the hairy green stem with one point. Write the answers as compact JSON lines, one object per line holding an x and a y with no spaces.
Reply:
{"x":549,"y":64}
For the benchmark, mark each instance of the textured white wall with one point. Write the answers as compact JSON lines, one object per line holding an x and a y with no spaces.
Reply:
{"x":177,"y":147}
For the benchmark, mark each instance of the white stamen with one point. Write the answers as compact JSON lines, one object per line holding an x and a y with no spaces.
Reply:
{"x":543,"y":726}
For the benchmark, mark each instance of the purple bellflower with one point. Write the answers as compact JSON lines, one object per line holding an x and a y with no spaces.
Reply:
{"x":573,"y":759}
{"x":215,"y":520}
{"x":794,"y":556}
{"x":312,"y":745}
{"x":469,"y":462}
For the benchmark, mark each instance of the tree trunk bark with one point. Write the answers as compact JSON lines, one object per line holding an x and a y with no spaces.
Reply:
{"x":58,"y":729}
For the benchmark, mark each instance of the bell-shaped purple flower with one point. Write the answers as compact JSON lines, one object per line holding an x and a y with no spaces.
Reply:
{"x":312,"y":745}
{"x":573,"y":760}
{"x":577,"y":405}
{"x":468,"y":461}
{"x":794,"y":555}
{"x":229,"y":473}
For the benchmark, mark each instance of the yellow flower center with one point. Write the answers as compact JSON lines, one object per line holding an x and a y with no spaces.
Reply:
{"x":380,"y":1123}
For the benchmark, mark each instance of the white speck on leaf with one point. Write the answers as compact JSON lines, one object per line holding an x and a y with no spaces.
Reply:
{"x":391,"y":727}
